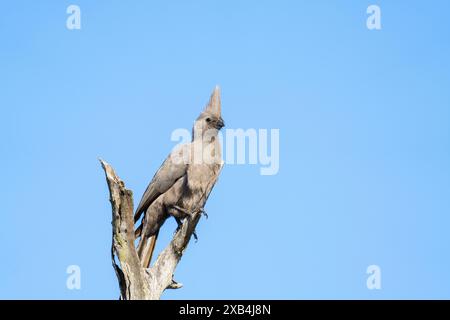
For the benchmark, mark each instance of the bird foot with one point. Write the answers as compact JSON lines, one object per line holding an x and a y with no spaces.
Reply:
{"x":193,"y":233}
{"x":185,"y":212}
{"x":195,"y":236}
{"x":203,"y":212}
{"x":179,"y":224}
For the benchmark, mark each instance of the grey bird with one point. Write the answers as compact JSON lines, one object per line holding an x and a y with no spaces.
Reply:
{"x":182,"y":184}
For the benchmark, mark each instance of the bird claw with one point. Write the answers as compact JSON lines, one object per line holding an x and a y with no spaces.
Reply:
{"x":195,"y":236}
{"x":203,"y":212}
{"x":179,"y":225}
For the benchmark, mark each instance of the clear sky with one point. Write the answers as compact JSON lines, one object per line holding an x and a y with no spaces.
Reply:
{"x":364,"y":120}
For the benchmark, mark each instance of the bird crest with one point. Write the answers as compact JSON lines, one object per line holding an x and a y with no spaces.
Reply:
{"x":214,"y":105}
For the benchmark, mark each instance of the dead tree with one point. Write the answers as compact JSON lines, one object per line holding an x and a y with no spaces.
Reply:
{"x":136,"y":282}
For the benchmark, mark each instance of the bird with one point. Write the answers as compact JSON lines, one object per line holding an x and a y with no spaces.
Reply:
{"x":182,"y":184}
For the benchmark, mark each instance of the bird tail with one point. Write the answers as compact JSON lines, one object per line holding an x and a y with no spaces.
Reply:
{"x":146,"y":248}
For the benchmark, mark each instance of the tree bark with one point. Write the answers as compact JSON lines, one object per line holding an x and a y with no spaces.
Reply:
{"x":136,"y":282}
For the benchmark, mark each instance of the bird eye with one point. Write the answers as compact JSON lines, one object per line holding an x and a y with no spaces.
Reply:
{"x":208,"y":119}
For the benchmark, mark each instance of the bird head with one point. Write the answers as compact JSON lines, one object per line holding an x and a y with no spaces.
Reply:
{"x":210,"y":119}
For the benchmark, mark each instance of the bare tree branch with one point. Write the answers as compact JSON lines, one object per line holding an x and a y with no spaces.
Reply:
{"x":137,"y":283}
{"x":132,"y":279}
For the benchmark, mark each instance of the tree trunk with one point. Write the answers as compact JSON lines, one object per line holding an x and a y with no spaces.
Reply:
{"x":136,"y":282}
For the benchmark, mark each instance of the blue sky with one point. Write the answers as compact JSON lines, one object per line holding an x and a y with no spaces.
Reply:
{"x":364,"y":119}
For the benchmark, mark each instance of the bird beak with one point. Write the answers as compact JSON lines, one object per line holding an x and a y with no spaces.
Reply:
{"x":220,"y":124}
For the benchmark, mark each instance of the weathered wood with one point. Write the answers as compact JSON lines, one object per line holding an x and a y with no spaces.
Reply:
{"x":135,"y":282}
{"x":132,"y":278}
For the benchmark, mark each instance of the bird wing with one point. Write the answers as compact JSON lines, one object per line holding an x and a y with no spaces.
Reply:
{"x":172,"y":169}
